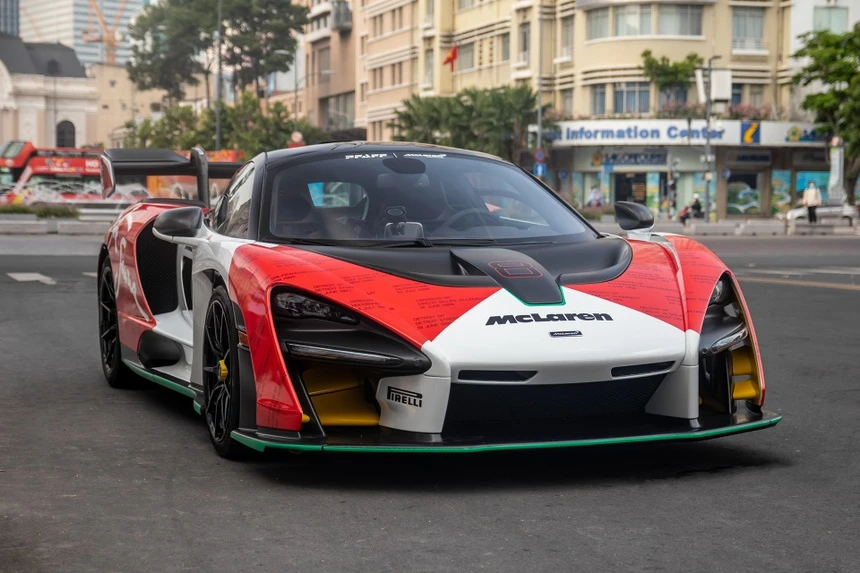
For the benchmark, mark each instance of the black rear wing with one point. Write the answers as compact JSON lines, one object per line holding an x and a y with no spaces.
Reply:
{"x":130,"y":161}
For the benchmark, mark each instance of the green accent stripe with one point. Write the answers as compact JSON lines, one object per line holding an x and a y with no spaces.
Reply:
{"x":198,"y":408}
{"x":261,"y":445}
{"x":184,"y":390}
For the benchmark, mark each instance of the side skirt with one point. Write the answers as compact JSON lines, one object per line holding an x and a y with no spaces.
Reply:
{"x":129,"y":358}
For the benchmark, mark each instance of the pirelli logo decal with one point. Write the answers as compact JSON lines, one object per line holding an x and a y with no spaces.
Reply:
{"x":535,"y":317}
{"x":405,"y":397}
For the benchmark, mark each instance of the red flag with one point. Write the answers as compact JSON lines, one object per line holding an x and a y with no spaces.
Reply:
{"x":451,"y":57}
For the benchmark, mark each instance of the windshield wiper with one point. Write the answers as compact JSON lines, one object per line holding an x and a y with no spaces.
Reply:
{"x":418,"y":242}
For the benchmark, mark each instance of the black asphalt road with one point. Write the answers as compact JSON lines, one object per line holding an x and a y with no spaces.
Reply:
{"x":95,"y":479}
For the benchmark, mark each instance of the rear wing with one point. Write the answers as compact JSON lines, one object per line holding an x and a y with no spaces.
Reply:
{"x":120,"y":162}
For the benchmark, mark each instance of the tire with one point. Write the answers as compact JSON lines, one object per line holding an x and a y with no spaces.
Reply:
{"x":116,"y":372}
{"x":221,"y":386}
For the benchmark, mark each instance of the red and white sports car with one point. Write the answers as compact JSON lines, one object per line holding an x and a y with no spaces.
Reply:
{"x":404,"y":297}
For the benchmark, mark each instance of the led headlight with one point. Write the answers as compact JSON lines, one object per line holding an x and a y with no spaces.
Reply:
{"x":298,"y":306}
{"x":721,"y":292}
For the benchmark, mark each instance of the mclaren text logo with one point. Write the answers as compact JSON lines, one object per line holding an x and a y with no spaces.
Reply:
{"x":534,"y":317}
{"x":405,"y":397}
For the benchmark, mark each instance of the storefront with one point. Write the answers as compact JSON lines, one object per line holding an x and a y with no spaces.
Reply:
{"x":757,"y":165}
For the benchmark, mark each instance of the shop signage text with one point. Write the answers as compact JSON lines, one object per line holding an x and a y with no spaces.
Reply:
{"x":639,"y":134}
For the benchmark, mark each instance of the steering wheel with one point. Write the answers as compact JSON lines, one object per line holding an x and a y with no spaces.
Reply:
{"x":466,"y":213}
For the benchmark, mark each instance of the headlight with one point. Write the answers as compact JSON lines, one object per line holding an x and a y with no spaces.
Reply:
{"x":721,"y":292}
{"x":298,"y":306}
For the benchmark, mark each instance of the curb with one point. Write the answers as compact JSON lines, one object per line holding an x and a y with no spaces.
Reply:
{"x":53,"y":227}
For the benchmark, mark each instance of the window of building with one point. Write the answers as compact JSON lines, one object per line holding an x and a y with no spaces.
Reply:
{"x":567,"y":36}
{"x":737,"y":94}
{"x":567,"y":101}
{"x":155,"y":107}
{"x":376,"y":79}
{"x":679,"y":20}
{"x":833,"y":18}
{"x":505,"y":49}
{"x":466,"y":57}
{"x":673,"y":96}
{"x":598,"y":99}
{"x":597,"y":24}
{"x":756,"y":95}
{"x":632,"y":97}
{"x":397,"y":74}
{"x":525,"y":41}
{"x":113,"y":83}
{"x":397,"y":18}
{"x":633,"y":20}
{"x":377,"y":25}
{"x":431,"y":6}
{"x":362,"y":91}
{"x":324,"y":64}
{"x":463,"y":4}
{"x":428,"y":67}
{"x":362,"y":46}
{"x":747,"y":28}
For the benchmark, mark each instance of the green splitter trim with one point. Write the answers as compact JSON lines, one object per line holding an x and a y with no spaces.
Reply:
{"x":184,"y":390}
{"x":261,"y":445}
{"x":198,"y":408}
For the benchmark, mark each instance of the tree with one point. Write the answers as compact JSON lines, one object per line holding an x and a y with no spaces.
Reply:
{"x":831,"y":62}
{"x":255,"y":31}
{"x":670,"y":77}
{"x":165,"y":41}
{"x":494,"y":121}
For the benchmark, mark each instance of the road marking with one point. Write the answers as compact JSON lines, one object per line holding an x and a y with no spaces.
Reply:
{"x":94,"y":275}
{"x":789,"y":282}
{"x":30,"y":277}
{"x":779,"y":272}
{"x":845,"y":271}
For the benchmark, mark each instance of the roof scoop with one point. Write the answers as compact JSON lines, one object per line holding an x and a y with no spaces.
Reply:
{"x":517,"y":273}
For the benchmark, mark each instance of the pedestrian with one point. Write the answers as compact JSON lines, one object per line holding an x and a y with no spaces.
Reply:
{"x":595,"y":198}
{"x":811,"y":200}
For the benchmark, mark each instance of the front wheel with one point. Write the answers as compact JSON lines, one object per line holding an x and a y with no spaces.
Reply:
{"x":116,"y":372}
{"x":221,"y":375}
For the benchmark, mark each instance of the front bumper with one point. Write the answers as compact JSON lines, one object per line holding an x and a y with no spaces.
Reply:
{"x":500,"y":437}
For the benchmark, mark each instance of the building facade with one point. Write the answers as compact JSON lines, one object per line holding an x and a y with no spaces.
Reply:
{"x":329,"y":79}
{"x":586,"y":55}
{"x":77,"y":24}
{"x":9,"y":17}
{"x":45,"y":95}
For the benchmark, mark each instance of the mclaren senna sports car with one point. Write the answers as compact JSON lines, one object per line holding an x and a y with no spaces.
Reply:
{"x":413,"y":298}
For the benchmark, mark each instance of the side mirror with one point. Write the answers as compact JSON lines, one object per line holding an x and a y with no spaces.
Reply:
{"x":633,"y":216}
{"x":179,"y":222}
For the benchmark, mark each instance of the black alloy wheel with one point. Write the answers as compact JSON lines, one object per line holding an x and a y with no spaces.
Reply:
{"x":116,"y":373}
{"x":221,"y":375}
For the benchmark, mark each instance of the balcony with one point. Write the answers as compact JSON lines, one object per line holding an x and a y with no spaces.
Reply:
{"x":749,"y":47}
{"x":319,"y":9}
{"x":342,"y":16}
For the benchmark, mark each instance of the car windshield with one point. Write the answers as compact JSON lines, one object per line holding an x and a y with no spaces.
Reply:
{"x":411,"y":198}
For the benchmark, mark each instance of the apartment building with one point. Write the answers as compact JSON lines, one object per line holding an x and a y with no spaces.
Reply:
{"x":587,"y":57}
{"x":329,"y":78}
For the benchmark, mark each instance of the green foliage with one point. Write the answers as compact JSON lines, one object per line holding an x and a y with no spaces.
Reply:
{"x":41,"y":211}
{"x":244,"y":126}
{"x":831,"y":62}
{"x":667,"y":75}
{"x":170,"y":40}
{"x":494,"y":121}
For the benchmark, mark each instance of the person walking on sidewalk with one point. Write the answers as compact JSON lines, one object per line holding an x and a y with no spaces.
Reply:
{"x":811,"y":200}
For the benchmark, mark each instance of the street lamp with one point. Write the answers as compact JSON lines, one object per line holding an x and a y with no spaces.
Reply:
{"x":709,"y":174}
{"x":218,"y":81}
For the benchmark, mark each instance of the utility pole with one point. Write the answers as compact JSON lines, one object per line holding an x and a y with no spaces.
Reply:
{"x":218,"y":81}
{"x":709,"y":174}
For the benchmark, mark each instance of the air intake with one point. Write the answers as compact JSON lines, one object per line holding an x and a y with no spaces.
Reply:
{"x":640,"y":369}
{"x":496,"y":375}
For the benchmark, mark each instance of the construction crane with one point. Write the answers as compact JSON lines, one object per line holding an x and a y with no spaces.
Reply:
{"x":110,"y":37}
{"x":33,"y":24}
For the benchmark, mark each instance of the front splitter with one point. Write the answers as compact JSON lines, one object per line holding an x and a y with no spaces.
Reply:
{"x":364,"y":441}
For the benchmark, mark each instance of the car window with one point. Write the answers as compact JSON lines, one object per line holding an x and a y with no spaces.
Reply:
{"x":235,"y":207}
{"x":379,"y":197}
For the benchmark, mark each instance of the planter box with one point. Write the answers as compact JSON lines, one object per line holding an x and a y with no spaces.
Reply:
{"x":18,"y":217}
{"x":23,"y":227}
{"x":75,"y":227}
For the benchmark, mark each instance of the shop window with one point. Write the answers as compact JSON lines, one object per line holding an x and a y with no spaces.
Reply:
{"x":632,"y":97}
{"x":679,"y":20}
{"x":633,"y":20}
{"x":833,"y":18}
{"x":747,"y":28}
{"x":597,"y":24}
{"x":598,"y":99}
{"x":756,"y":95}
